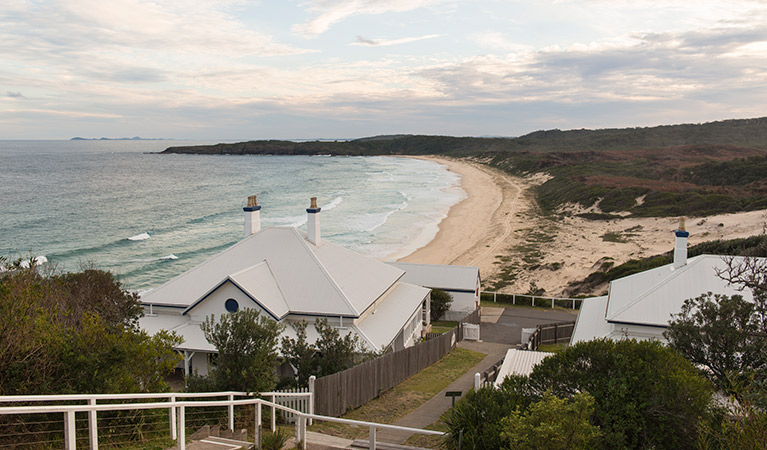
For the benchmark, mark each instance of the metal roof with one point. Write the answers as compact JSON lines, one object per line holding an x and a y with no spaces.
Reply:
{"x":651,"y":297}
{"x":436,"y":276}
{"x":519,"y":362}
{"x":305,"y":278}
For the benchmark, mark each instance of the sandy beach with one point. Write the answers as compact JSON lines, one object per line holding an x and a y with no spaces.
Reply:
{"x":497,"y":228}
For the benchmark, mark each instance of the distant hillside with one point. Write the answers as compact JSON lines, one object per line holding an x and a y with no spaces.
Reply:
{"x":692,"y":169}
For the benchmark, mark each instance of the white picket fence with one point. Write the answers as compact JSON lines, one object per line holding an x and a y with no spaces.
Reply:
{"x":292,"y":398}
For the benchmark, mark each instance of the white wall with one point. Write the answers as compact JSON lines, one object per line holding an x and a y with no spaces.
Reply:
{"x":214,"y":303}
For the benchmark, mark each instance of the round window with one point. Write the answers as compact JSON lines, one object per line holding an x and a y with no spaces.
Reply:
{"x":231,"y":305}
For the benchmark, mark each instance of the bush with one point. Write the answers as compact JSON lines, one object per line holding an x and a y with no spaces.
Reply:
{"x":646,"y":395}
{"x":553,"y":424}
{"x":440,"y":303}
{"x":477,"y":419}
{"x":247,"y":350}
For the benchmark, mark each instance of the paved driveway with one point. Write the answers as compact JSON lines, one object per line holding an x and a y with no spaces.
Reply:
{"x":504,"y":325}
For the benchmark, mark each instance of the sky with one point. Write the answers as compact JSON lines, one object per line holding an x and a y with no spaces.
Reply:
{"x":282,"y":69}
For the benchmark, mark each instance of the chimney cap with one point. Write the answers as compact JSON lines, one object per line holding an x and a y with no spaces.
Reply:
{"x":252,"y":204}
{"x":313,"y":208}
{"x":680,"y":232}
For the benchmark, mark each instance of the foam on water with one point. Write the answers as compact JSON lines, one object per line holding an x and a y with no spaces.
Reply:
{"x":191,"y":206}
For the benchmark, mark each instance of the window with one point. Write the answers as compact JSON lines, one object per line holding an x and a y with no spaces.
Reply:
{"x":231,"y":305}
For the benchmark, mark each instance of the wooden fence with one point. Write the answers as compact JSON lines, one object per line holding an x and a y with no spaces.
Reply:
{"x":351,"y":388}
{"x":551,"y":333}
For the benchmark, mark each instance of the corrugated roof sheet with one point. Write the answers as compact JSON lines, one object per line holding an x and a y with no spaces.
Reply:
{"x":325,"y":279}
{"x":519,"y":362}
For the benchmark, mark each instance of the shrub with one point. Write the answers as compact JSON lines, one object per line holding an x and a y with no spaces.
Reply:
{"x":646,"y":395}
{"x":440,"y":303}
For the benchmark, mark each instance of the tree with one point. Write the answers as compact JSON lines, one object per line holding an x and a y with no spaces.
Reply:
{"x":476,"y":422}
{"x":553,"y":424}
{"x":76,"y":333}
{"x":440,"y":303}
{"x":646,"y":394}
{"x":246,"y":342}
{"x":331,"y":352}
{"x":723,"y":334}
{"x":300,"y":354}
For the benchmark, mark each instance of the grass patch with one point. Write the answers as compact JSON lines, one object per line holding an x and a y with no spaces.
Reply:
{"x":424,"y":441}
{"x":443,"y":326}
{"x":407,"y":396}
{"x":552,"y":348}
{"x":614,"y":236}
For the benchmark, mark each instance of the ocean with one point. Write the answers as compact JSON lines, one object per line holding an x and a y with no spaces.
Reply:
{"x":149,"y":217}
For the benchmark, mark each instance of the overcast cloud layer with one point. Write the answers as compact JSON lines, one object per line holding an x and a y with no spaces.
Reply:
{"x":238,"y":69}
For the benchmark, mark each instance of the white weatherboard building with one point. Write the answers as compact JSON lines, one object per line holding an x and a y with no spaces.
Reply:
{"x":461,"y":282}
{"x":640,"y":306}
{"x":289,"y":276}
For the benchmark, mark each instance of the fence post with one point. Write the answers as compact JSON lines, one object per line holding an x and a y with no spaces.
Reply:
{"x":513,"y":299}
{"x":93,"y":431}
{"x":573,"y":304}
{"x":556,"y":334}
{"x":230,"y":407}
{"x":552,"y":303}
{"x":172,"y":412}
{"x":372,"y":438}
{"x":311,"y":396}
{"x":181,"y":428}
{"x":476,"y":381}
{"x":303,"y":432}
{"x":257,"y":430}
{"x":495,"y":294}
{"x":274,"y":415}
{"x":70,"y":439}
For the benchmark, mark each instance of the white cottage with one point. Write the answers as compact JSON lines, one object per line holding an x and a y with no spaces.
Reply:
{"x":461,"y":282}
{"x":640,"y":306}
{"x":289,"y":276}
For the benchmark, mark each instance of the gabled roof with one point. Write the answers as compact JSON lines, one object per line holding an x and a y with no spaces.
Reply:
{"x":450,"y":278}
{"x":280,"y":269}
{"x":378,"y":328}
{"x":651,"y":297}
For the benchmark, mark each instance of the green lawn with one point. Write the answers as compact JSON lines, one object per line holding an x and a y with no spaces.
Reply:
{"x":442,"y":326}
{"x":406,"y":396}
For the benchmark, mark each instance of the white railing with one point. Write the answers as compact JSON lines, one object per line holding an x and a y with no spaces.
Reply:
{"x":180,"y":409}
{"x":542,"y":300}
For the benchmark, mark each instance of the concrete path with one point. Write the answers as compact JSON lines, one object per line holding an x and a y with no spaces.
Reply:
{"x":430,"y":411}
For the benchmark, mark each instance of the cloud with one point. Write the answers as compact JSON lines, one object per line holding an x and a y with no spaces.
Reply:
{"x":330,"y":12}
{"x":14,"y":94}
{"x":361,"y":41}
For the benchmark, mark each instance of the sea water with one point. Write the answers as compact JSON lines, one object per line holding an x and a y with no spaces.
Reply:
{"x":148,"y":217}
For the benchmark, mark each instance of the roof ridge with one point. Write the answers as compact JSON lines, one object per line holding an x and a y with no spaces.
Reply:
{"x":324,"y":271}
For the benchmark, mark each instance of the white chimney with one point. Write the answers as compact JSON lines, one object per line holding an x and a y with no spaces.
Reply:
{"x":313,"y":222}
{"x":252,"y":216}
{"x":680,"y":246}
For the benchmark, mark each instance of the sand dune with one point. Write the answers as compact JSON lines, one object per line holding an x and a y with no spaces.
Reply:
{"x":499,"y":229}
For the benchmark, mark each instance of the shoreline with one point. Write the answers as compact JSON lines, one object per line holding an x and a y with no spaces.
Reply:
{"x":499,"y":229}
{"x":476,"y":228}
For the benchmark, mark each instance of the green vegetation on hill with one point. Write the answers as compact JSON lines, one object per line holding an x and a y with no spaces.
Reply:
{"x":751,"y":246}
{"x":691,"y":169}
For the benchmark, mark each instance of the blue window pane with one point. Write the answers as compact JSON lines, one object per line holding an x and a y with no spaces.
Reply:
{"x":231,"y":305}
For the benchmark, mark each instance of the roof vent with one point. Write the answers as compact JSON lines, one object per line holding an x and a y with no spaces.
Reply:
{"x":680,"y":246}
